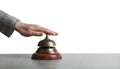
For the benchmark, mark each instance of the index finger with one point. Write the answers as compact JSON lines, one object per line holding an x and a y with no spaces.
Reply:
{"x":46,"y":31}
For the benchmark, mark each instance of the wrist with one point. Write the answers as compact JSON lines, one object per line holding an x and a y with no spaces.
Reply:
{"x":18,"y":25}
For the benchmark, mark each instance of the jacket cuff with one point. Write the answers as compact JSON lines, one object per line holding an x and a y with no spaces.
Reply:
{"x":8,"y":23}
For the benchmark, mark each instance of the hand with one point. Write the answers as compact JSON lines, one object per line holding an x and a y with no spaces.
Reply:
{"x":32,"y":30}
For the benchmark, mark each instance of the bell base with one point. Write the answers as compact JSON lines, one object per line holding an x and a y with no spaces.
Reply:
{"x":39,"y":56}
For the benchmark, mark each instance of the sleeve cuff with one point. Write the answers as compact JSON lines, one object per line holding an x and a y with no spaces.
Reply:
{"x":9,"y":23}
{"x":11,"y":27}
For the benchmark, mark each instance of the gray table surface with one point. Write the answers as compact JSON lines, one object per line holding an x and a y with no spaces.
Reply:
{"x":69,"y":61}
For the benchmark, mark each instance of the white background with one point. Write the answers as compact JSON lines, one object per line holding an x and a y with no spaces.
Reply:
{"x":84,"y":26}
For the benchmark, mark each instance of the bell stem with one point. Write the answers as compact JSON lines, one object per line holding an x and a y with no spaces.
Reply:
{"x":46,"y":37}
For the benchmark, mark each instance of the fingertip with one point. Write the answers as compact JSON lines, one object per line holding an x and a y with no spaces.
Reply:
{"x":55,"y":34}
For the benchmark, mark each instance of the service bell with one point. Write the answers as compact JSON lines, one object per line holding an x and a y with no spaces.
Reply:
{"x":46,"y":50}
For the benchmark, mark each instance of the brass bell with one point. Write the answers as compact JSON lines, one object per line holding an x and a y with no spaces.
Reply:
{"x":46,"y":50}
{"x":47,"y":42}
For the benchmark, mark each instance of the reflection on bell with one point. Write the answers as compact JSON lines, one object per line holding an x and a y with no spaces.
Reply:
{"x":46,"y":50}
